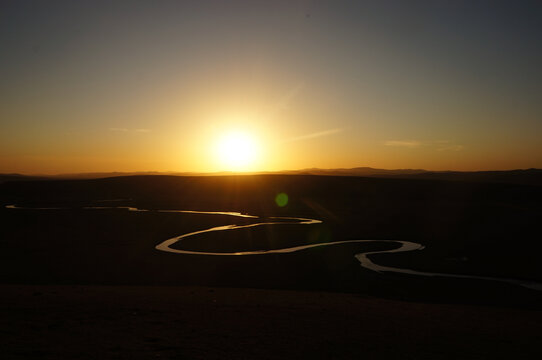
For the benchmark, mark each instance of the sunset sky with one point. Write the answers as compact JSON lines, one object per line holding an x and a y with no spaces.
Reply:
{"x":92,"y":86}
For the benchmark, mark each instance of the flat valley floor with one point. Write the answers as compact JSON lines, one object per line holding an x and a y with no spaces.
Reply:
{"x":82,"y":283}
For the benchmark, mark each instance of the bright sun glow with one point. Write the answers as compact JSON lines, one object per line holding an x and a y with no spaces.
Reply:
{"x":237,"y":150}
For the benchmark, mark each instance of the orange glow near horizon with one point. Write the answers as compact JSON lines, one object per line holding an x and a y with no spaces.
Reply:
{"x":198,"y":86}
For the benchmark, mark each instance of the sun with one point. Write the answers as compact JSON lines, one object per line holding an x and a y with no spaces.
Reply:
{"x":237,"y":150}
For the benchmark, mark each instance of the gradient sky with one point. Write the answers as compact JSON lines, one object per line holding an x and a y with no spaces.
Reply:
{"x":91,"y":86}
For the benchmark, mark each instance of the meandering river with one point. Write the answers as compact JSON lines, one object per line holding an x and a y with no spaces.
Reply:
{"x":362,"y":257}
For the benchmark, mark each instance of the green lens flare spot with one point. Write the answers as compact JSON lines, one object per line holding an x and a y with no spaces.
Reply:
{"x":281,"y":199}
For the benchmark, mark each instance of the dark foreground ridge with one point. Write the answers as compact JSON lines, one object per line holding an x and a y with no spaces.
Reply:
{"x":137,"y":322}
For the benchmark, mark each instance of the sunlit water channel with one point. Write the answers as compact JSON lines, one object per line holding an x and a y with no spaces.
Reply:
{"x":363,"y":257}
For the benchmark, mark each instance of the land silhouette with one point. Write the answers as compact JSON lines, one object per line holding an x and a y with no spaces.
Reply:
{"x":520,"y":176}
{"x":80,"y":263}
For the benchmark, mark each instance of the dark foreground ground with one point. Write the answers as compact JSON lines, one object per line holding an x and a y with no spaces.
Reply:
{"x":89,"y":283}
{"x":133,"y":322}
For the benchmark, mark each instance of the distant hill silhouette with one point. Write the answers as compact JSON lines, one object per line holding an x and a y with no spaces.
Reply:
{"x":18,"y":177}
{"x":519,"y":176}
{"x":526,"y":177}
{"x":358,"y":171}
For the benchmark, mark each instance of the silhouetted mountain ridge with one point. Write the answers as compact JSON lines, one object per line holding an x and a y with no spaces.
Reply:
{"x":518,"y":176}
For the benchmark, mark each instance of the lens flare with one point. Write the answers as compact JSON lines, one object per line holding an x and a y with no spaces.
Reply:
{"x":281,"y":199}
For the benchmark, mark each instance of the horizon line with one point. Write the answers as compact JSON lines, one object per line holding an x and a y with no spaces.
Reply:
{"x":255,"y":172}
